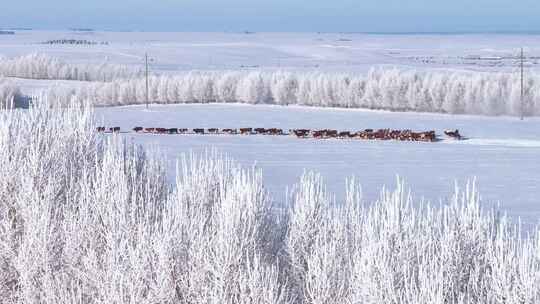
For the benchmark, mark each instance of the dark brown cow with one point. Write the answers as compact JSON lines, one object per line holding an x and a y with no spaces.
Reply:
{"x":360,"y":135}
{"x":161,"y":130}
{"x":213,"y":130}
{"x":173,"y":131}
{"x":198,"y":131}
{"x":370,"y":134}
{"x":229,"y":131}
{"x":331,"y":133}
{"x":345,"y":134}
{"x":182,"y":131}
{"x":246,"y":131}
{"x":301,"y":132}
{"x":395,"y":134}
{"x":114,"y":129}
{"x":428,"y":136}
{"x":317,"y":134}
{"x":274,"y":131}
{"x":260,"y":130}
{"x":405,"y":135}
{"x":101,"y":129}
{"x":382,"y":134}
{"x":138,"y":129}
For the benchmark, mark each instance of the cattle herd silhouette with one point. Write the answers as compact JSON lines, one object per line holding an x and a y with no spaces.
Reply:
{"x":367,"y":134}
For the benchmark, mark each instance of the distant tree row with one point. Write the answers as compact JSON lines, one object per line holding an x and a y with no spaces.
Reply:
{"x":75,"y":42}
{"x":38,"y":66}
{"x":390,"y":89}
{"x":82,"y":29}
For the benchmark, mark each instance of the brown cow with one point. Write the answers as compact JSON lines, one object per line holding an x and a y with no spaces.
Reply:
{"x":317,"y":134}
{"x":101,"y":129}
{"x":395,"y":134}
{"x":138,"y":129}
{"x":198,"y":131}
{"x":246,"y":131}
{"x":274,"y":131}
{"x":331,"y":133}
{"x":213,"y":130}
{"x":301,"y":132}
{"x":430,"y":136}
{"x":114,"y":129}
{"x":260,"y":131}
{"x":229,"y":131}
{"x":345,"y":134}
{"x":161,"y":130}
{"x":150,"y":130}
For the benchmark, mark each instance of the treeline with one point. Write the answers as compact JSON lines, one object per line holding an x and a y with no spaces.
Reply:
{"x":92,"y":219}
{"x":389,"y":89}
{"x":453,"y":92}
{"x":75,"y":42}
{"x":38,"y":66}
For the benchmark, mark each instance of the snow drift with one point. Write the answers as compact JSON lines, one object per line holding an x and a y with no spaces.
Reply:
{"x":90,"y":219}
{"x":39,"y":66}
{"x":389,"y":89}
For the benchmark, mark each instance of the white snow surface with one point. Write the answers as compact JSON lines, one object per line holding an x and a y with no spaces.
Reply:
{"x":501,"y":153}
{"x":305,"y":51}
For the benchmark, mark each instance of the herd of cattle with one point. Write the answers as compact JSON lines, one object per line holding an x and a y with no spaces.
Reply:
{"x":367,"y":134}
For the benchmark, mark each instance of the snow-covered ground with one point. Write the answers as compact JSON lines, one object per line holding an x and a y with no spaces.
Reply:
{"x":502,"y":153}
{"x":305,"y":51}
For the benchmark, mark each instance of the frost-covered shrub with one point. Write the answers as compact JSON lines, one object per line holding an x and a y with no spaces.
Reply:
{"x":10,"y":95}
{"x":390,"y":89}
{"x":92,"y":219}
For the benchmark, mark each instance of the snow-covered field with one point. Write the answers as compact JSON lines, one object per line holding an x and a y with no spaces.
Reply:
{"x":304,"y":51}
{"x":87,"y":219}
{"x":502,"y":153}
{"x":474,"y":74}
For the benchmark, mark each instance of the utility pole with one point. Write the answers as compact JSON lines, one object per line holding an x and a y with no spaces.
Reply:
{"x":146,"y":73}
{"x":522,"y":89}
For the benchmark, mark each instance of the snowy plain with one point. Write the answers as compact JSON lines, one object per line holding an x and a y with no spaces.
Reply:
{"x":502,"y":153}
{"x":299,"y":51}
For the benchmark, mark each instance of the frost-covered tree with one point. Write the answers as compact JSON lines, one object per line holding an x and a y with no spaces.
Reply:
{"x":40,"y":66}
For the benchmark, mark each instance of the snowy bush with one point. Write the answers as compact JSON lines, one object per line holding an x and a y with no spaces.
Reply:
{"x":10,"y":95}
{"x":39,"y":66}
{"x":390,"y":89}
{"x":91,"y":219}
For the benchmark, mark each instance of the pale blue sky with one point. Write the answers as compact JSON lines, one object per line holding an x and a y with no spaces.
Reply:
{"x":276,"y":15}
